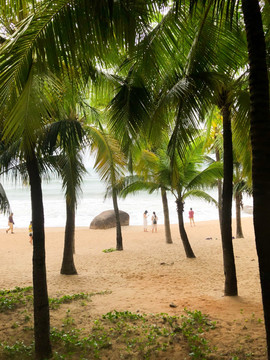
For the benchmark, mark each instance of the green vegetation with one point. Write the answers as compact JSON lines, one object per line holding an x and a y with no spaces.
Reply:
{"x":12,"y":299}
{"x":126,"y":334}
{"x":108,"y":250}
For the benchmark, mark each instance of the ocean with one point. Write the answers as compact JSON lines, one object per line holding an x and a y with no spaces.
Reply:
{"x":91,"y":203}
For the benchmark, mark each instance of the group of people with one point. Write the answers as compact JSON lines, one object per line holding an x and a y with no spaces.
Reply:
{"x":154,"y":220}
{"x":10,"y":227}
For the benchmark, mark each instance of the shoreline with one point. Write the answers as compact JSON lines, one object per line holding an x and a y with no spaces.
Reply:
{"x":186,"y":223}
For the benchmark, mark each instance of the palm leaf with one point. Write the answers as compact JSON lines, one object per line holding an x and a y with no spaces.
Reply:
{"x":4,"y":203}
{"x":207,"y":177}
{"x":199,"y":194}
{"x":110,"y":161}
{"x":133,"y":184}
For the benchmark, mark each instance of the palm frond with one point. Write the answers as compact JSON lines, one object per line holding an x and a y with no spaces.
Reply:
{"x":207,"y":177}
{"x":61,"y":33}
{"x":4,"y":203}
{"x":133,"y":184}
{"x":71,"y":168}
{"x":199,"y":194}
{"x":110,"y":162}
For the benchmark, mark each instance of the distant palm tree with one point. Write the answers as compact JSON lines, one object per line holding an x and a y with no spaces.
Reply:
{"x":65,"y":138}
{"x":191,"y":173}
{"x":241,"y":186}
{"x":214,"y":144}
{"x":110,"y":164}
{"x":186,"y":176}
{"x":72,"y":170}
{"x":152,"y":174}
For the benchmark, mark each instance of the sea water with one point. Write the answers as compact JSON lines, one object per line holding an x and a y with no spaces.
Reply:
{"x":91,"y":202}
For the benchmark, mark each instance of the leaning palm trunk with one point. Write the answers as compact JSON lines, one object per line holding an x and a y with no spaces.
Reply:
{"x":166,"y":216}
{"x":238,"y":205}
{"x":183,"y":234}
{"x":68,"y":266}
{"x":119,"y":241}
{"x":226,"y":224}
{"x":41,"y":303}
{"x":260,"y":140}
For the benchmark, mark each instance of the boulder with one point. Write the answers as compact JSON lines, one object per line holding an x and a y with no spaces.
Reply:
{"x":106,"y":220}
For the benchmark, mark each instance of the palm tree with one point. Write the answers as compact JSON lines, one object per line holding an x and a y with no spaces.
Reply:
{"x":242,"y":183}
{"x":214,"y":143}
{"x":260,"y":135}
{"x":21,"y":158}
{"x":25,"y":120}
{"x":110,"y":163}
{"x":188,"y":179}
{"x":72,"y":170}
{"x":240,"y":186}
{"x":229,"y":100}
{"x":225,"y":104}
{"x":76,"y":26}
{"x":65,"y":138}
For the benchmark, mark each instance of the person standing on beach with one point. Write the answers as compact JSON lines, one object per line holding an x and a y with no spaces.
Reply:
{"x":10,"y":224}
{"x":154,"y":222}
{"x":145,"y":216}
{"x":191,"y":217}
{"x":30,"y":228}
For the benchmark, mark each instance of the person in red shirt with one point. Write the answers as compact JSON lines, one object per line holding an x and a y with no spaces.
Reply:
{"x":191,"y":217}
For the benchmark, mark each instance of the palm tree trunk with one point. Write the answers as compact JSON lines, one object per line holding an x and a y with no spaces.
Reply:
{"x":183,"y":234}
{"x":226,"y":225}
{"x":41,"y":303}
{"x":68,"y":266}
{"x":166,"y":216}
{"x":119,"y":241}
{"x":260,"y":140}
{"x":238,"y":204}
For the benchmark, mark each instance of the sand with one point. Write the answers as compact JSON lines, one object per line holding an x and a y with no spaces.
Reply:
{"x":149,"y":274}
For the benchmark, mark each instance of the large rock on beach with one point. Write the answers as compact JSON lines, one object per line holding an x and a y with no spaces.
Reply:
{"x":106,"y":220}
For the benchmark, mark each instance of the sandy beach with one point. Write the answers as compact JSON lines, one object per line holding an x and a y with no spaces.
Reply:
{"x":148,"y":275}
